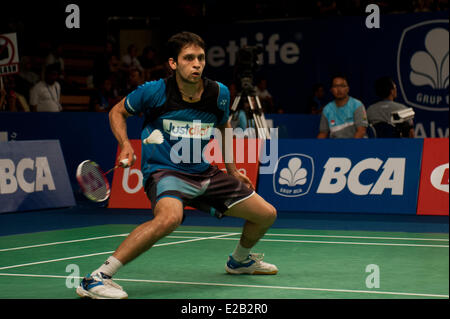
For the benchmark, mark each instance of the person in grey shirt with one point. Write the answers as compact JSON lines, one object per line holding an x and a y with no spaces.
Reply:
{"x":379,"y":114}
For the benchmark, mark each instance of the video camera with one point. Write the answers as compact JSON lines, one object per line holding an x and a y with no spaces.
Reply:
{"x":398,"y":117}
{"x":401,"y":120}
{"x":246,"y":67}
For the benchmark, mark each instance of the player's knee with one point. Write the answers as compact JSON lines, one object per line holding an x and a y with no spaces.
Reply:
{"x":171,"y":222}
{"x":271,"y":214}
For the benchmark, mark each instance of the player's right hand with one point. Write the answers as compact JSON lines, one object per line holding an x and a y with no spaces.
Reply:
{"x":127,"y":156}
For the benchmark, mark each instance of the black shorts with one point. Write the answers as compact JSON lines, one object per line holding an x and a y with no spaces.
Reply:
{"x":212,"y":191}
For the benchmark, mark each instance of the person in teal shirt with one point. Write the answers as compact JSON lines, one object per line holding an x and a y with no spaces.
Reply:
{"x":345,"y":116}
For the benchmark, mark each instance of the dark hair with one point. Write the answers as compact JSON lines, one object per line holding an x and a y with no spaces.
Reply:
{"x":338,"y":75}
{"x":55,"y":67}
{"x":383,"y":86}
{"x":178,"y":41}
{"x":317,"y":86}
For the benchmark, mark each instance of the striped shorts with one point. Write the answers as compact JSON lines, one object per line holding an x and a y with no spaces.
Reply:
{"x":211,"y":191}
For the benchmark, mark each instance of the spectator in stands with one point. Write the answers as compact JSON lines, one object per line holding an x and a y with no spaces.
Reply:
{"x":12,"y":100}
{"x":26,"y":78}
{"x":379,"y":114}
{"x":130,"y":60}
{"x":117,"y":75}
{"x":45,"y":96}
{"x":134,"y":80}
{"x":105,"y":98}
{"x":160,"y":71}
{"x":101,"y":64}
{"x":264,"y":96}
{"x":315,"y":102}
{"x":148,"y":61}
{"x":55,"y":58}
{"x":345,"y":116}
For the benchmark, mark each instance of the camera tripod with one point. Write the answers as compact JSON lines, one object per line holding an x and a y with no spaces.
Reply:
{"x":256,"y":112}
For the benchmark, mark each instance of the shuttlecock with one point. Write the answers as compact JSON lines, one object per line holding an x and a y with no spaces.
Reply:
{"x":124,"y":163}
{"x":155,"y":137}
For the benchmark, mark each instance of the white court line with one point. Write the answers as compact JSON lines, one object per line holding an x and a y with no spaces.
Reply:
{"x":110,"y":252}
{"x":246,"y":286}
{"x":329,"y":242}
{"x":358,"y":237}
{"x":62,"y":242}
{"x":211,"y":232}
{"x":324,"y":236}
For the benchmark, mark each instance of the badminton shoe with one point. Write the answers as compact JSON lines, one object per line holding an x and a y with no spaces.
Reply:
{"x":253,"y":265}
{"x":100,"y":286}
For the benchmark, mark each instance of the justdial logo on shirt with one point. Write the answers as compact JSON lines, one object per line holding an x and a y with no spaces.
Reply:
{"x":195,"y":129}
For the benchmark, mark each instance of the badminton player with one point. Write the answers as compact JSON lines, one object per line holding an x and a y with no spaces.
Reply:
{"x":184,"y":106}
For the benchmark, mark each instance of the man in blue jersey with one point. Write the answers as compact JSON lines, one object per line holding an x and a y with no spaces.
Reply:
{"x":345,"y":117}
{"x":185,"y":107}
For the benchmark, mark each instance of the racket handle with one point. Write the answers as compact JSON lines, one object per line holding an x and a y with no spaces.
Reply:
{"x":124,"y":163}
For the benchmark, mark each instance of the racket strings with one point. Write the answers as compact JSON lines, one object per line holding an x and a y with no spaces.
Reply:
{"x":93,"y":182}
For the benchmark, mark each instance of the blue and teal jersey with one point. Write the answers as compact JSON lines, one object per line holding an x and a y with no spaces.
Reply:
{"x":187,"y":127}
{"x":342,"y":121}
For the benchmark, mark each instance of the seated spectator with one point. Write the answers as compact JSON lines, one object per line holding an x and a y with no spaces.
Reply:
{"x":134,"y":80}
{"x":345,"y":116}
{"x":264,"y":96}
{"x":117,"y":75}
{"x":160,"y":71}
{"x":315,"y":103}
{"x":379,"y":114}
{"x":101,"y":64}
{"x":11,"y":100}
{"x":26,"y":78}
{"x":130,"y":60}
{"x":148,"y":61}
{"x":45,"y":95}
{"x":105,"y":98}
{"x":55,"y":58}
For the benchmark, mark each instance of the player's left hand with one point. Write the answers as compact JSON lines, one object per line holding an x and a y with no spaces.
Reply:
{"x":243,"y":178}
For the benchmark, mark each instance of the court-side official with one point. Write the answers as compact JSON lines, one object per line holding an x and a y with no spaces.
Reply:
{"x":345,"y":116}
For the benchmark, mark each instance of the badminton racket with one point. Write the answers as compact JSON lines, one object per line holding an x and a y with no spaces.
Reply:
{"x":92,"y":179}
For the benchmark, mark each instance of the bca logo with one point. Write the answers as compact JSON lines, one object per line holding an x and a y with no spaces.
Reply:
{"x":293,"y":176}
{"x":439,"y":178}
{"x":423,"y":65}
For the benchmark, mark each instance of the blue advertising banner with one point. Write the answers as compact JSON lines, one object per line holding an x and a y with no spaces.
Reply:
{"x":346,"y":175}
{"x":33,"y":176}
{"x":411,"y":48}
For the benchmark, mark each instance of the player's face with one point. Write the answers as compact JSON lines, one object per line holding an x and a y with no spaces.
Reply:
{"x":190,"y":63}
{"x":339,"y":88}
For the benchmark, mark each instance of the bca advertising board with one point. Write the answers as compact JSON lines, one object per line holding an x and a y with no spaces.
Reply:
{"x":434,"y":181}
{"x":33,"y":176}
{"x":348,"y":176}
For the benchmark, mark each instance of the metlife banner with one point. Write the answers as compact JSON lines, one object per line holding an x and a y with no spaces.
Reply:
{"x":411,"y":48}
{"x":345,"y":176}
{"x":33,"y":176}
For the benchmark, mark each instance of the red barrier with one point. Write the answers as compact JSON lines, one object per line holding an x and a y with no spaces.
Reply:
{"x":127,"y":190}
{"x":434,"y":178}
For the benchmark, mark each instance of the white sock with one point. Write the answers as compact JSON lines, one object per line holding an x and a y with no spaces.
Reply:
{"x":110,"y":267}
{"x":240,"y":253}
